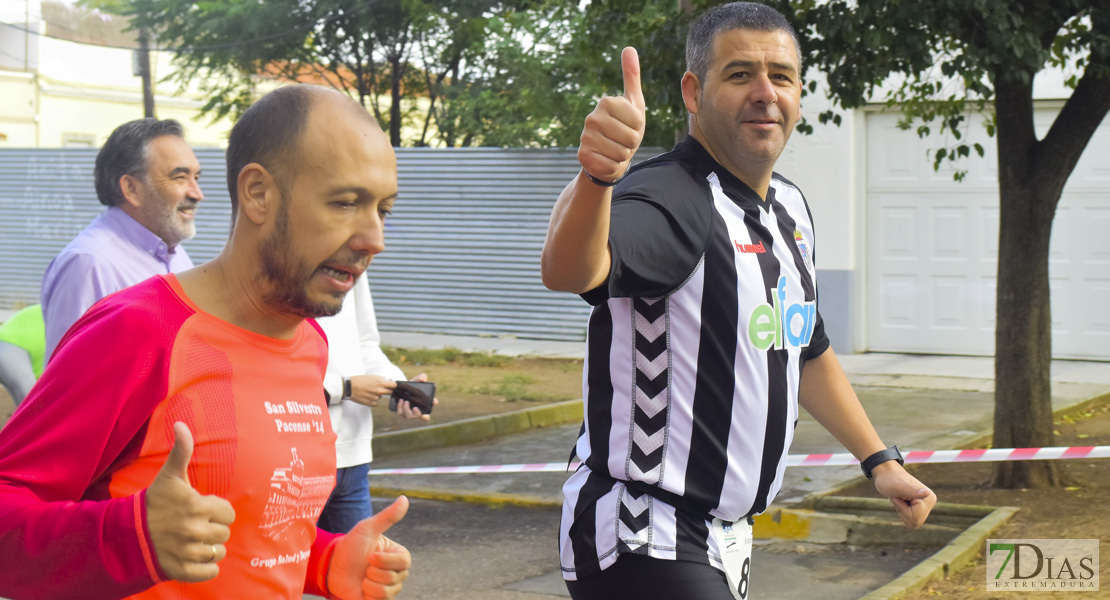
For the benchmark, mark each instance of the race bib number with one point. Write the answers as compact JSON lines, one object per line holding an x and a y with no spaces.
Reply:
{"x":735,"y":542}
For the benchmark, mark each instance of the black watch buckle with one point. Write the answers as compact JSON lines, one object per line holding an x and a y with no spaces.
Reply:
{"x":880,"y":457}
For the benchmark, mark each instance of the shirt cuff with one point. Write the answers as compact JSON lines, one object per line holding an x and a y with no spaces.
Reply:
{"x":333,"y":385}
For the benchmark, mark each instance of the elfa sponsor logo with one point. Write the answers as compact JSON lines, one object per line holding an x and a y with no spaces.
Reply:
{"x":1042,"y":565}
{"x":780,"y":326}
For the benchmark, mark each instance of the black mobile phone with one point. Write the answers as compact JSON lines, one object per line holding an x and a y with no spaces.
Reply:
{"x":418,"y":393}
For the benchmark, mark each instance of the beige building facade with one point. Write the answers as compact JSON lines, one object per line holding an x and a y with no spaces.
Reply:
{"x":60,"y":93}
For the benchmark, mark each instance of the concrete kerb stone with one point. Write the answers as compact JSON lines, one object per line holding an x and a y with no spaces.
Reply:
{"x":492,"y":499}
{"x":848,"y":528}
{"x":949,"y":559}
{"x":477,"y":429}
{"x":958,"y":552}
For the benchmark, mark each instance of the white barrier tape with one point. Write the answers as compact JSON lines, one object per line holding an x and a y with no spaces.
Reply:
{"x":805,"y":460}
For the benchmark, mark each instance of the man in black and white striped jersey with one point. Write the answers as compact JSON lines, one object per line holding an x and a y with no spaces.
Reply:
{"x":705,"y":334}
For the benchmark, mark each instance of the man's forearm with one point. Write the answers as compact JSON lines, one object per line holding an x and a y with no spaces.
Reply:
{"x":576,"y":252}
{"x":827,"y":395}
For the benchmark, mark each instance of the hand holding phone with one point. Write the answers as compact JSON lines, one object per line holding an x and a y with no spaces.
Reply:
{"x":419,"y":394}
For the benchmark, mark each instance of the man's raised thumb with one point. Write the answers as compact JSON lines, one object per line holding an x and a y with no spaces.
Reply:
{"x":177,"y":462}
{"x":383,"y":520}
{"x":630,"y":67}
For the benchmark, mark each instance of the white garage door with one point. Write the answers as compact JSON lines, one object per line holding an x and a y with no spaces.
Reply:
{"x":932,"y":247}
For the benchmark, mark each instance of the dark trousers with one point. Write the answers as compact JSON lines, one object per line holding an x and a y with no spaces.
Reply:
{"x":636,"y":577}
{"x":349,"y":502}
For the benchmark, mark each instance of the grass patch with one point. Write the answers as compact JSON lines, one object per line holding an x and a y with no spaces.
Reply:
{"x":484,"y":359}
{"x":515,"y":388}
{"x":517,"y":378}
{"x":443,"y":356}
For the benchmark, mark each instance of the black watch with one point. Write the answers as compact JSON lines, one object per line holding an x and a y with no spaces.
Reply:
{"x":876,"y":459}
{"x":346,"y":387}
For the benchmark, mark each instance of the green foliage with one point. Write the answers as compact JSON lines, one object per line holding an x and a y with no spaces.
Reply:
{"x":527,"y":72}
{"x":590,"y":66}
{"x":941,"y":60}
{"x":416,"y":64}
{"x":447,"y":72}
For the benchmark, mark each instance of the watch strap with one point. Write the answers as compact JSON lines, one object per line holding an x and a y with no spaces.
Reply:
{"x":346,"y":387}
{"x":880,"y":457}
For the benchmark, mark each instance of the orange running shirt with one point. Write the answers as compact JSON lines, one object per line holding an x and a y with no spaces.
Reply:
{"x":145,"y":358}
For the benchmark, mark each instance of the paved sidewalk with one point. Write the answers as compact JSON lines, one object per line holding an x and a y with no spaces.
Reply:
{"x":1070,"y":378}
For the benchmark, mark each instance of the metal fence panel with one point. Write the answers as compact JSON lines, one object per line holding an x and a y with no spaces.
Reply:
{"x":463,"y":243}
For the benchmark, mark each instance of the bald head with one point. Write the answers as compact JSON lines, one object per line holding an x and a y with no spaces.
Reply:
{"x":271,"y":132}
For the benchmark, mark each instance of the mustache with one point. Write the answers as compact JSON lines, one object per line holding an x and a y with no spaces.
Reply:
{"x":761,"y":115}
{"x":349,"y":262}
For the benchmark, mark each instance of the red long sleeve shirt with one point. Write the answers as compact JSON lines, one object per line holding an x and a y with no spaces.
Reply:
{"x":77,"y":456}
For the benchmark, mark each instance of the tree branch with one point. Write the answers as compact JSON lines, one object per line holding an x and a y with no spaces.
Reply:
{"x":1078,"y":120}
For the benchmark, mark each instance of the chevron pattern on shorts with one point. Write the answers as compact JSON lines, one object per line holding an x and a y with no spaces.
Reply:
{"x":649,"y":418}
{"x":634,"y":523}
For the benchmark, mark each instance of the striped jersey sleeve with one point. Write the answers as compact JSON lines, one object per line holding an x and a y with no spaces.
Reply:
{"x":692,"y":363}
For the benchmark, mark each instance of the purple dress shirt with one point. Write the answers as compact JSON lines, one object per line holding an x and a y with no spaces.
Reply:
{"x":113,"y":252}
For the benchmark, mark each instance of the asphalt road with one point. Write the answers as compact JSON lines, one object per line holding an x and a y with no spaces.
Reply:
{"x":467,"y":551}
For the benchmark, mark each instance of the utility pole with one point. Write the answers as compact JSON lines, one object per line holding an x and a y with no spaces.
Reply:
{"x":144,"y":72}
{"x":685,"y":7}
{"x":27,"y":36}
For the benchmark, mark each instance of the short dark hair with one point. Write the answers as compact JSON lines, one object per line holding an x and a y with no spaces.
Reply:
{"x":736,"y":15}
{"x":268,"y":133}
{"x":127,"y":152}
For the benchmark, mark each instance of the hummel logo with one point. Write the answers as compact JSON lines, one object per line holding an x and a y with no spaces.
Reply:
{"x":750,"y":248}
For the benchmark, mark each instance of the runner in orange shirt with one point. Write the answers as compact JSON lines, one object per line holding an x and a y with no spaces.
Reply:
{"x":178,"y":444}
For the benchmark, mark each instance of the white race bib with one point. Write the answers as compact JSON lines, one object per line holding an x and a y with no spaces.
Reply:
{"x":735,"y":543}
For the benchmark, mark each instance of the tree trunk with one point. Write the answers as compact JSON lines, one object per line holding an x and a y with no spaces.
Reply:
{"x":144,"y":73}
{"x":1023,"y":329}
{"x":396,"y":73}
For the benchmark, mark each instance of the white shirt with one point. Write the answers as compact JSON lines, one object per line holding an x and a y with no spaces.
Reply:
{"x":354,"y":348}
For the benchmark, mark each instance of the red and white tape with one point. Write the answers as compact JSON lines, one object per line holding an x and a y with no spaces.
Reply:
{"x":805,"y":460}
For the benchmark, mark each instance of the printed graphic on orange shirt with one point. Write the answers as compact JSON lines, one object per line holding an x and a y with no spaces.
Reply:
{"x":294,"y":497}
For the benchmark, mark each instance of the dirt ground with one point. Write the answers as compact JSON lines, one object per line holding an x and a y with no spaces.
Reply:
{"x":465,"y":389}
{"x":1075,"y":511}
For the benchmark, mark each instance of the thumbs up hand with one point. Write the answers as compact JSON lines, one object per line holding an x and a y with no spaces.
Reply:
{"x":615,"y":128}
{"x":366,"y":564}
{"x":188,"y":529}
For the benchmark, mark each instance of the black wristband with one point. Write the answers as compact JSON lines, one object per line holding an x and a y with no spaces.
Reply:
{"x":597,"y":181}
{"x":880,"y":457}
{"x":346,"y":387}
